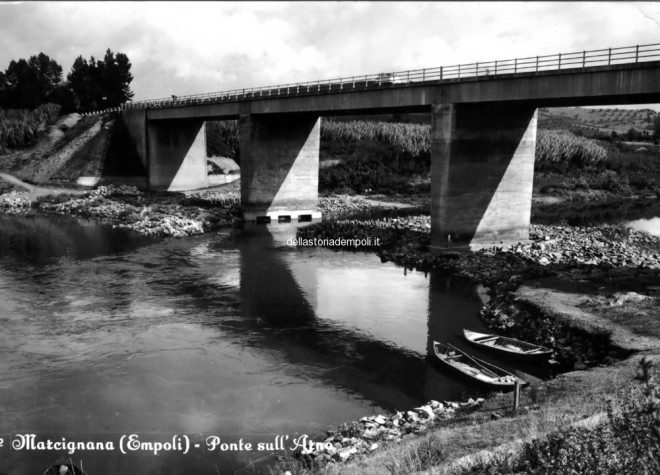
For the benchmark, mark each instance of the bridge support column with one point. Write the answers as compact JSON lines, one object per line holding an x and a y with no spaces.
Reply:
{"x":482,"y":171}
{"x":279,"y":167}
{"x":177,"y":155}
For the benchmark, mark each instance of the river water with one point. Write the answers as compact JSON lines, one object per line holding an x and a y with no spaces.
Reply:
{"x":106,"y":333}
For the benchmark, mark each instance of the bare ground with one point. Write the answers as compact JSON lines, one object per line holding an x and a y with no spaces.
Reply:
{"x":630,"y":320}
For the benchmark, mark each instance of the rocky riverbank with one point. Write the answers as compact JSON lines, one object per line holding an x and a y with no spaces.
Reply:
{"x":153,"y":214}
{"x":358,"y":438}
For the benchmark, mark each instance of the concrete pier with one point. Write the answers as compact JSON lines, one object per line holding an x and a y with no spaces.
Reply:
{"x":279,"y":167}
{"x":176,"y":158}
{"x":482,"y":171}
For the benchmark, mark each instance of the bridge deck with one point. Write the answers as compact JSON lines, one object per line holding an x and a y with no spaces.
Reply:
{"x":633,"y":83}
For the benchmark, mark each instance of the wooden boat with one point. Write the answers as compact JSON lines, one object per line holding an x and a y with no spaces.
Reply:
{"x":479,"y":370}
{"x":507,"y":345}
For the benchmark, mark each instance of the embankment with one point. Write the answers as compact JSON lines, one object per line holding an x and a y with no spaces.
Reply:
{"x":152,"y":214}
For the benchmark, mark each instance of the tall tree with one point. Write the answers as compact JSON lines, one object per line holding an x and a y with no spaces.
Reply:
{"x":101,"y":84}
{"x":116,"y":77}
{"x":30,"y":83}
{"x":2,"y":88}
{"x":84,"y":85}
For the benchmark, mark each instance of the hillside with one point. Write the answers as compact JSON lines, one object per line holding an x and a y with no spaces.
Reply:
{"x":598,"y":119}
{"x":74,"y":147}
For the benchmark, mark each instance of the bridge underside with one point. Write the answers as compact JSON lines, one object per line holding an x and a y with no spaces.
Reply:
{"x":482,"y":148}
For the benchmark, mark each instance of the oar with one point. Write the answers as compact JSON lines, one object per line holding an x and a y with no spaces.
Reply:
{"x":477,"y":362}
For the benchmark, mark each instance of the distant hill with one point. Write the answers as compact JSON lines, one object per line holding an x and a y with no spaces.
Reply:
{"x":605,"y":120}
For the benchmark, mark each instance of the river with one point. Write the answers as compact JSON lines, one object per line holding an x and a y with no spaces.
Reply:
{"x":107,"y":333}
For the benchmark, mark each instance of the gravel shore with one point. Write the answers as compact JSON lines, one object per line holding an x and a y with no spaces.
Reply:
{"x":152,"y":214}
{"x":357,"y":438}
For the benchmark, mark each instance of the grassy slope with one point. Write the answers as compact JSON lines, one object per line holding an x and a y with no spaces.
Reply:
{"x":549,"y":406}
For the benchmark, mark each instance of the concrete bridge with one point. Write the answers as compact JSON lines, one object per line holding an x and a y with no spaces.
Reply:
{"x":483,"y":126}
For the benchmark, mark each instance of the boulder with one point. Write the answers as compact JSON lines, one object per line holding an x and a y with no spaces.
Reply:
{"x":436,"y":406}
{"x":426,"y":412}
{"x":411,"y":416}
{"x":370,"y":434}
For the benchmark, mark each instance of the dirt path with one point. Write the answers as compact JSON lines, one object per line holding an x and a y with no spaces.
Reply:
{"x":12,"y":180}
{"x":47,"y":165}
{"x":34,"y":191}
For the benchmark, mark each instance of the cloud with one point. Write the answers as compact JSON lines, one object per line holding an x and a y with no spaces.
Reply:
{"x":186,"y":47}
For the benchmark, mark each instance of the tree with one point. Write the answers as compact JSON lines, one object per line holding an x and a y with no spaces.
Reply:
{"x":2,"y":88}
{"x":115,"y":75}
{"x":27,"y":84}
{"x":84,"y":84}
{"x":656,"y":126}
{"x":101,"y":84}
{"x":90,"y":85}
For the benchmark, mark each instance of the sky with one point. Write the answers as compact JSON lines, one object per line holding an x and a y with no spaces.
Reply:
{"x":187,"y":47}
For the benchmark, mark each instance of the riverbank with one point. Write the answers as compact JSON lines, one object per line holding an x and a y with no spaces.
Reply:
{"x":466,"y":444}
{"x":147,"y":213}
{"x":590,"y":293}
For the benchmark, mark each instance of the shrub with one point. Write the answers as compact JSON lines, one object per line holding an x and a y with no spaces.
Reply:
{"x":629,"y":442}
{"x":222,"y":139}
{"x":362,"y":176}
{"x":561,"y":149}
{"x":403,"y":146}
{"x":609,"y":180}
{"x":376,"y":156}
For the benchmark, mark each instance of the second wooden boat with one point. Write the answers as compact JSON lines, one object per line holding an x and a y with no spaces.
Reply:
{"x":479,"y":370}
{"x":507,"y":345}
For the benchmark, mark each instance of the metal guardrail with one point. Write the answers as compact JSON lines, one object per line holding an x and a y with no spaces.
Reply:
{"x":553,"y":62}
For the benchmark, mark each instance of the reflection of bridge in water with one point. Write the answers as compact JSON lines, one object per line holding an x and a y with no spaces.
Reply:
{"x":279,"y":295}
{"x":278,"y":308}
{"x":284,"y":306}
{"x":140,"y":328}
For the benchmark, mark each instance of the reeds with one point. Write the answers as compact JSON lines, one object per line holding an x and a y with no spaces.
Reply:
{"x":20,"y":128}
{"x":404,"y":140}
{"x":561,"y":147}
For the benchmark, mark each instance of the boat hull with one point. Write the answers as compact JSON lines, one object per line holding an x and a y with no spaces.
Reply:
{"x":543,"y":354}
{"x":506,"y":380}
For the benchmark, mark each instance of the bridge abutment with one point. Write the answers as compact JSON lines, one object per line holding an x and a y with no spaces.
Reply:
{"x":482,"y":174}
{"x":279,"y":167}
{"x":176,"y":155}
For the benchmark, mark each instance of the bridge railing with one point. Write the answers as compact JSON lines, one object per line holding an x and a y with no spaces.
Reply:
{"x":553,"y":62}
